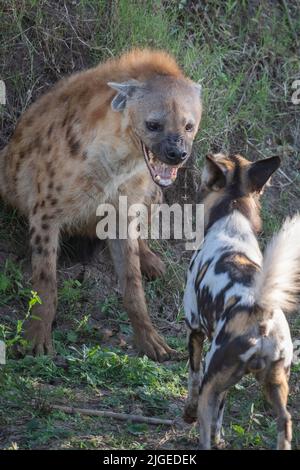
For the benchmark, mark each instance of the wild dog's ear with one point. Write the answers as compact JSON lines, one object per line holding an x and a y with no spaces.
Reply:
{"x":260,"y":172}
{"x":126,"y":90}
{"x":214,"y":172}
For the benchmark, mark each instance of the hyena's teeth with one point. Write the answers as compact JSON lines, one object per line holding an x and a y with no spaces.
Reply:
{"x":157,"y":178}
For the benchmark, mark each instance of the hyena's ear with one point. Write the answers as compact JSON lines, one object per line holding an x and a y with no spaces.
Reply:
{"x":214,"y":172}
{"x":198,"y":88}
{"x":126,"y":91}
{"x":260,"y":172}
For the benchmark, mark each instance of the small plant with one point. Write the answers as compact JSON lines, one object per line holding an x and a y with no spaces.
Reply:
{"x":71,"y":292}
{"x":109,"y":305}
{"x":13,"y":337}
{"x":12,"y":284}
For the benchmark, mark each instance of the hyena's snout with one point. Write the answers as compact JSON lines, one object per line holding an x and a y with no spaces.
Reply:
{"x":173,"y":150}
{"x":165,"y":158}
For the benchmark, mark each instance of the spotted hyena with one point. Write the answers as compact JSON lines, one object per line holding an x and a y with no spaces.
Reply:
{"x":122,"y":128}
{"x":236,"y":297}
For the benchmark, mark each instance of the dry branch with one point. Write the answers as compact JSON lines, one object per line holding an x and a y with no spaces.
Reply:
{"x":111,"y":414}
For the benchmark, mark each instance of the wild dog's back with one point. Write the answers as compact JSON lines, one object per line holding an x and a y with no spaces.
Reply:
{"x":222,"y":272}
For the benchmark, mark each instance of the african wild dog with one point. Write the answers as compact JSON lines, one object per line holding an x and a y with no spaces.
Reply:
{"x":236,"y":297}
{"x":103,"y":133}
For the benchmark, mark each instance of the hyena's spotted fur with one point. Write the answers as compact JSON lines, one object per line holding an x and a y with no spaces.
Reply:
{"x":236,"y":298}
{"x":72,"y":151}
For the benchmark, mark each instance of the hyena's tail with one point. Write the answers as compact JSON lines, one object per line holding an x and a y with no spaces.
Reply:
{"x":277,"y":285}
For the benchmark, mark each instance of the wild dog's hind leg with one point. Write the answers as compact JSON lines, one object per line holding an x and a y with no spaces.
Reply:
{"x":195,"y":346}
{"x":44,"y":244}
{"x":151,"y":264}
{"x":277,"y":389}
{"x":218,"y":421}
{"x":125,"y":254}
{"x":207,"y":409}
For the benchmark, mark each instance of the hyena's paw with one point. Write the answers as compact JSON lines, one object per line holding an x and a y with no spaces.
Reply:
{"x":150,"y":343}
{"x":151,"y":265}
{"x":39,"y":338}
{"x":190,"y":412}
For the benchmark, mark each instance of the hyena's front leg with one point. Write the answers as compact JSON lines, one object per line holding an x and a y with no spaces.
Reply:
{"x":44,"y":245}
{"x":126,"y":257}
{"x":151,"y":264}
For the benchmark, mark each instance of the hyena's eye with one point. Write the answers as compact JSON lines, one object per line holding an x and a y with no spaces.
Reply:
{"x":154,"y":126}
{"x":189,"y":127}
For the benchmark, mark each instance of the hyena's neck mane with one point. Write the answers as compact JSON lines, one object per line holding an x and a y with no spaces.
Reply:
{"x":140,"y":64}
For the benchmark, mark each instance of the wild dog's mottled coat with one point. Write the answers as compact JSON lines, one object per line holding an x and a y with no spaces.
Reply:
{"x":235,"y":297}
{"x":71,"y":151}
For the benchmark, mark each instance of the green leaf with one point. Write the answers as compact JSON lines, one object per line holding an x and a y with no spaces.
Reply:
{"x":238,"y":429}
{"x":137,"y":428}
{"x":33,"y":424}
{"x":72,"y":336}
{"x":4,"y":283}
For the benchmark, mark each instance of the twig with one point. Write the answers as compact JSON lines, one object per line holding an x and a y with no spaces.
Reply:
{"x":262,"y":155}
{"x":255,"y":148}
{"x":286,"y":176}
{"x":290,"y":22}
{"x":96,"y":48}
{"x":111,"y":414}
{"x":253,"y":68}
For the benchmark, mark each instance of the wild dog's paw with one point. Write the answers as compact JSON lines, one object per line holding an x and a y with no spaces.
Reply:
{"x":151,"y":265}
{"x":39,"y":338}
{"x":150,"y":343}
{"x":220,"y":443}
{"x":190,"y":412}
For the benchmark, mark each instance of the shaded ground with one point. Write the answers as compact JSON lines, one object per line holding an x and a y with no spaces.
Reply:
{"x":247,"y":70}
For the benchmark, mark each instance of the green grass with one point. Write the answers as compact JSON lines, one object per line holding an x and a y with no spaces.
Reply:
{"x":90,"y":376}
{"x":246,"y":69}
{"x":141,"y":383}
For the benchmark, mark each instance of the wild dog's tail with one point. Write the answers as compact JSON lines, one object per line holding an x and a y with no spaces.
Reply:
{"x":277,"y":285}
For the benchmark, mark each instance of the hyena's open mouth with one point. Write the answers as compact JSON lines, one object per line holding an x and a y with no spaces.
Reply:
{"x":162,"y":174}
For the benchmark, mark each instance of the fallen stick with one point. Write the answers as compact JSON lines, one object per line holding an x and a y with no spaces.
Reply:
{"x":111,"y":414}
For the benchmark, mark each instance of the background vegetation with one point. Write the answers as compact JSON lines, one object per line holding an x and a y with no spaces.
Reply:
{"x":246,"y":55}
